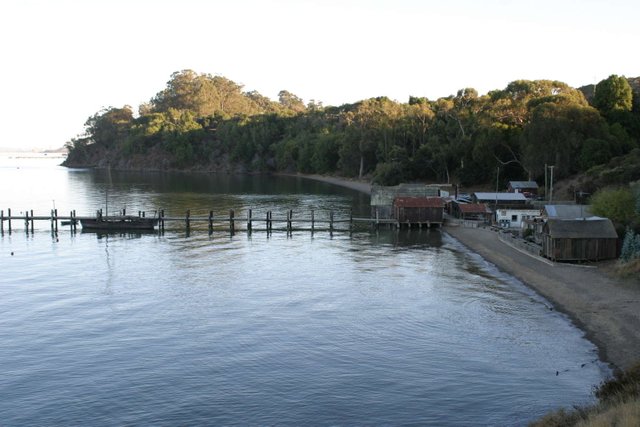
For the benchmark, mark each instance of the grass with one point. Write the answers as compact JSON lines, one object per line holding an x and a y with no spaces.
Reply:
{"x":628,"y":269}
{"x":618,"y":405}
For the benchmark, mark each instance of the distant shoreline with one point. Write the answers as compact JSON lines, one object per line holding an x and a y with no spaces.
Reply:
{"x":606,"y":308}
{"x":361,"y":186}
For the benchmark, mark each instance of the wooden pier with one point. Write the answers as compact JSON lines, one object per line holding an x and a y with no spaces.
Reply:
{"x":289,"y":221}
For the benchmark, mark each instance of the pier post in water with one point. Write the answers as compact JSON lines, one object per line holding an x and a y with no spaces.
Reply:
{"x":31,"y":221}
{"x":249,"y":220}
{"x":331,"y":221}
{"x":210,"y":222}
{"x":351,"y":220}
{"x":289,"y":224}
{"x":232,"y":222}
{"x":188,"y":220}
{"x":26,"y":221}
{"x":9,"y":212}
{"x":313,"y":221}
{"x":2,"y":222}
{"x":266,"y":222}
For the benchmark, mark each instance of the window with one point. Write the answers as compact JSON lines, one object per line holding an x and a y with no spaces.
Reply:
{"x":514,"y":218}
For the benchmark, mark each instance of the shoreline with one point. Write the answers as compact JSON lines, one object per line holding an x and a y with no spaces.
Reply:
{"x":353,"y":184}
{"x":604,"y":307}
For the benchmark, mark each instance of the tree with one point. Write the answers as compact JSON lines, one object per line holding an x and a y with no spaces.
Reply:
{"x":109,"y":127}
{"x":291,"y":102}
{"x":616,"y":204}
{"x":556,"y":136}
{"x":613,"y":94}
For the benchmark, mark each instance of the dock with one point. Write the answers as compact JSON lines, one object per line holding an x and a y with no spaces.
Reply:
{"x":289,"y":221}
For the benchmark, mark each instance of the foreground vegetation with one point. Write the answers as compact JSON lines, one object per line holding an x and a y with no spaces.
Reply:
{"x":207,"y":122}
{"x":618,"y":405}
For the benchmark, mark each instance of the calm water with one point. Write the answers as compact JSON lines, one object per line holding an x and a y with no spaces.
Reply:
{"x":388,"y":328}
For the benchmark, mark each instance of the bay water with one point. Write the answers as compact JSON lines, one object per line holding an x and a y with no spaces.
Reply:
{"x":371,"y":327}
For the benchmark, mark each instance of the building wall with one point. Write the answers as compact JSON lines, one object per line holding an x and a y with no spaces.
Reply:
{"x":582,"y":249}
{"x":512,"y":218}
{"x":419,"y":215}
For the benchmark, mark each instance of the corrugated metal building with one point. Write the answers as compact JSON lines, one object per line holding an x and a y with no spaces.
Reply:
{"x":566,"y":211}
{"x":419,"y":210}
{"x":501,"y":200}
{"x":587,"y":239}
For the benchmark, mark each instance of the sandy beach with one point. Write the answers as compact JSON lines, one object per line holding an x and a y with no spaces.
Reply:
{"x":605,"y":307}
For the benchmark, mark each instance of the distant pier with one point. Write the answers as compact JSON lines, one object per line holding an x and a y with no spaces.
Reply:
{"x":289,"y":221}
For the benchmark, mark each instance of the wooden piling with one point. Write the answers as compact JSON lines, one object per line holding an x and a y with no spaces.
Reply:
{"x":377,"y":219}
{"x":289,"y":225}
{"x":2,"y":222}
{"x":26,"y":221}
{"x":188,"y":220}
{"x":232,"y":224}
{"x":162,"y":219}
{"x":351,"y":220}
{"x":9,"y":223}
{"x":32,"y":221}
{"x":210,"y":222}
{"x":313,"y":221}
{"x":249,"y":221}
{"x":331,"y":221}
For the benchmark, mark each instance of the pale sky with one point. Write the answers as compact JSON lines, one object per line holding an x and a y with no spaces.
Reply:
{"x":64,"y":60}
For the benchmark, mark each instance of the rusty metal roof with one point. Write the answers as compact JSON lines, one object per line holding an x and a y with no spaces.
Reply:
{"x":418,"y":202}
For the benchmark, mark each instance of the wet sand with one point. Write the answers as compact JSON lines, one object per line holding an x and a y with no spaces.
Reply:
{"x":605,"y":307}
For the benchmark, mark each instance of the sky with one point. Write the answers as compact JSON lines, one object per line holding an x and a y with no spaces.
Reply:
{"x":65,"y":60}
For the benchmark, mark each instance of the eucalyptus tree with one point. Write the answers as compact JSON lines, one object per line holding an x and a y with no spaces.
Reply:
{"x":558,"y":134}
{"x":613,"y":94}
{"x":291,"y":102}
{"x":110,"y":126}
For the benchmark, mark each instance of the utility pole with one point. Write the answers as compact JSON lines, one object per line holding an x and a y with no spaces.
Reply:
{"x":551,"y":184}
{"x":497,"y":178}
{"x":546,"y":184}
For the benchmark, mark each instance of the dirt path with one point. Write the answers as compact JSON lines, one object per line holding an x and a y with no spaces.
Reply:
{"x":606,"y":308}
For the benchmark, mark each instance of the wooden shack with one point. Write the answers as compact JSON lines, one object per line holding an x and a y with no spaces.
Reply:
{"x":419,"y":210}
{"x":471,"y":211}
{"x":524,"y":187}
{"x":586,"y":239}
{"x":382,"y":197}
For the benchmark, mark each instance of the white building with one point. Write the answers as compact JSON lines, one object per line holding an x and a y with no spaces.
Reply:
{"x":512,"y":218}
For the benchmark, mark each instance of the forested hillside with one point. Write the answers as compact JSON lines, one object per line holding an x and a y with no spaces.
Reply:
{"x":204,"y":122}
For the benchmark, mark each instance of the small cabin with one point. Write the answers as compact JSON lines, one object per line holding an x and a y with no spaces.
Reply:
{"x":528,"y":188}
{"x":471,"y":211}
{"x":419,"y":210}
{"x":586,"y":239}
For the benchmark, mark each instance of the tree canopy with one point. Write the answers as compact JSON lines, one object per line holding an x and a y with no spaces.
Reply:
{"x":209,"y":122}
